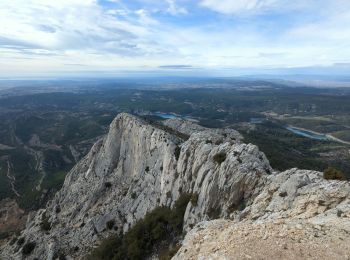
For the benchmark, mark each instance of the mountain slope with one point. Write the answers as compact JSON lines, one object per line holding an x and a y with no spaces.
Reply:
{"x":139,"y":166}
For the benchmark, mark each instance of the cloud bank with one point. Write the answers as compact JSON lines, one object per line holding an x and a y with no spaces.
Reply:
{"x":38,"y":36}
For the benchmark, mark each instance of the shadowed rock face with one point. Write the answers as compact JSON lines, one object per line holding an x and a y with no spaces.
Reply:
{"x":138,"y":167}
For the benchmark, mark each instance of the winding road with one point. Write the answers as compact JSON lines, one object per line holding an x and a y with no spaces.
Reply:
{"x":11,"y":178}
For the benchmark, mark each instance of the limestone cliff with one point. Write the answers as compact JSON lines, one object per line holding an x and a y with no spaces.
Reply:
{"x":297,"y":215}
{"x":139,"y":166}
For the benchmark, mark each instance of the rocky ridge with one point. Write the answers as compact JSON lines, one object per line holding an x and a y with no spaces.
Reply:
{"x":297,"y":215}
{"x":139,"y":166}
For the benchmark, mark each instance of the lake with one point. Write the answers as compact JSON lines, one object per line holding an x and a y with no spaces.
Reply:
{"x":171,"y":116}
{"x":165,"y":115}
{"x":307,"y":134}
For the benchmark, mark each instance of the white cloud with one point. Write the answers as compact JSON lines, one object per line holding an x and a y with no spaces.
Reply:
{"x":145,"y":18}
{"x":239,"y":6}
{"x":73,"y":24}
{"x":253,"y":7}
{"x":331,"y":29}
{"x":48,"y":35}
{"x":174,"y":9}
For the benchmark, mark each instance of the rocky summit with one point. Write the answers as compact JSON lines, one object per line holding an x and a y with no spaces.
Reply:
{"x":138,"y":166}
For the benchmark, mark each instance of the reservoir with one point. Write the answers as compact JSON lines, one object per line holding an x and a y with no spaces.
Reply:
{"x":165,"y":115}
{"x":308,"y":134}
{"x":171,"y":116}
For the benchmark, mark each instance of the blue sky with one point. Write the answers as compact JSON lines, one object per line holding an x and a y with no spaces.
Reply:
{"x":185,"y":37}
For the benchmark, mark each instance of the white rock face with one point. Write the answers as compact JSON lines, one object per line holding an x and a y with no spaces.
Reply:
{"x":297,"y":215}
{"x":138,"y":167}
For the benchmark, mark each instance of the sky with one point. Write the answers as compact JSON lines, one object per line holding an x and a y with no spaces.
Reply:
{"x":183,"y":37}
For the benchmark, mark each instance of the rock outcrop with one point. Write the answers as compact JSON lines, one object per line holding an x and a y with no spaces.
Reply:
{"x":139,"y":166}
{"x":265,"y":240}
{"x":297,"y":215}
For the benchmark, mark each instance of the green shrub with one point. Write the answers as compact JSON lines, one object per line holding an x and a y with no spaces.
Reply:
{"x":147,"y":169}
{"x":133,"y":195}
{"x":28,"y":248}
{"x":177,"y":152}
{"x":110,"y":224}
{"x":239,"y":205}
{"x":59,"y":256}
{"x":283,"y":194}
{"x":45,"y":225}
{"x":333,"y":174}
{"x":125,"y":192}
{"x":219,"y":157}
{"x":168,"y":254}
{"x":108,"y":249}
{"x":58,"y":209}
{"x":214,"y":212}
{"x":20,"y":241}
{"x":194,"y":199}
{"x":158,"y":227}
{"x":108,"y":184}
